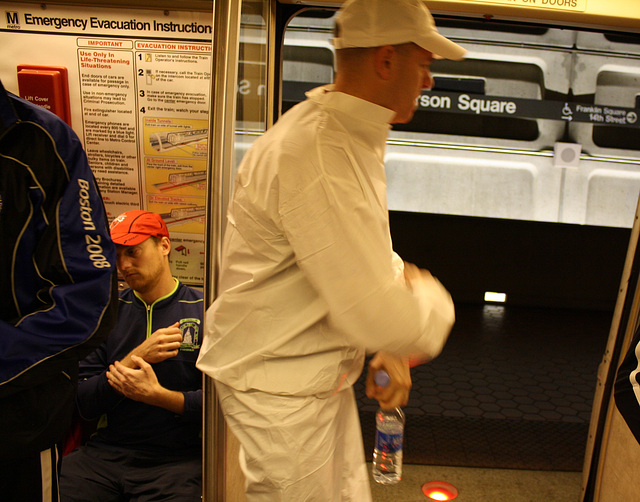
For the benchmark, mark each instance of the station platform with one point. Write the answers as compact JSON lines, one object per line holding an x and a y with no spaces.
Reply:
{"x":475,"y":484}
{"x":512,"y":389}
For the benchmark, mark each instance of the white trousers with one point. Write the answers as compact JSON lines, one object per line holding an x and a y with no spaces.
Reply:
{"x":298,"y":449}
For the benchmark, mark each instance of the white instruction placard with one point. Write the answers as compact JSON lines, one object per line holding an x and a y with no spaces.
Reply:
{"x":139,"y":84}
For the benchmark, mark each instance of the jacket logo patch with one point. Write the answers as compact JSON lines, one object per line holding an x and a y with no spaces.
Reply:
{"x":190,"y":328}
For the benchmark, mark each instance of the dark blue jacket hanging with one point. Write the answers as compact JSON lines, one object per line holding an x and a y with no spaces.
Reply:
{"x":58,"y":298}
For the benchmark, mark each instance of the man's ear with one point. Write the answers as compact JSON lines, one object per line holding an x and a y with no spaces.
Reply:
{"x":384,"y":59}
{"x":165,"y":243}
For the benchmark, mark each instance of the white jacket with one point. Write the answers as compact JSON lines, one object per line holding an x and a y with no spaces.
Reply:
{"x":309,"y":280}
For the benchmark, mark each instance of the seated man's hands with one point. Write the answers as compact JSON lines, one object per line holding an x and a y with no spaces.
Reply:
{"x":397,"y":392}
{"x":141,"y":384}
{"x":163,"y":344}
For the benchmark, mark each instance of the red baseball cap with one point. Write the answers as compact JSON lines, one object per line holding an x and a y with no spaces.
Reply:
{"x":134,"y":227}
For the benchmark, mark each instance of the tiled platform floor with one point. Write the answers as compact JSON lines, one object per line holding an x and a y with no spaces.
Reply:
{"x":483,"y":485}
{"x":513,"y":388}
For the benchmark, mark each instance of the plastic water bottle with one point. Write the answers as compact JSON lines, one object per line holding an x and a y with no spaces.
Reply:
{"x":387,"y":453}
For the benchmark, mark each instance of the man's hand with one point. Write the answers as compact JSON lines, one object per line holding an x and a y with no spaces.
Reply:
{"x":413,"y":274}
{"x":397,"y":392}
{"x":163,"y":344}
{"x":141,"y":384}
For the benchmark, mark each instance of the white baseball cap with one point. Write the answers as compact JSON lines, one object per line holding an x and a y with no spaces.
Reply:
{"x":374,"y":23}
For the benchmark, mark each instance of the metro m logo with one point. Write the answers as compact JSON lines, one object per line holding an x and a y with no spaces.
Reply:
{"x":13,"y":19}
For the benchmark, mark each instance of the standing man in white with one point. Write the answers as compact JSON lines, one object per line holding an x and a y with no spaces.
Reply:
{"x":309,"y":280}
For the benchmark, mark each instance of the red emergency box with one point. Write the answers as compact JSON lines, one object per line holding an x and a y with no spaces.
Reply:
{"x":46,"y":86}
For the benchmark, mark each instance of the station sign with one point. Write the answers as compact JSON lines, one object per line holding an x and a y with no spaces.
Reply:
{"x":501,"y":106}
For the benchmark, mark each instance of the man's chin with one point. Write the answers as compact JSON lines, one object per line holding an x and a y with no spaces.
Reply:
{"x":132,"y":280}
{"x":403,"y":119}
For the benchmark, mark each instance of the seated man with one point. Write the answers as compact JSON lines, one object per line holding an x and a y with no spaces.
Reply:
{"x":142,"y":382}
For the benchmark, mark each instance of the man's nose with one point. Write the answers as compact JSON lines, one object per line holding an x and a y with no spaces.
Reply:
{"x":122,"y":263}
{"x":428,"y":81}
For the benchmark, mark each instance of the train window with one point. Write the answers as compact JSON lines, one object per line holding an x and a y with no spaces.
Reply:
{"x":304,"y":68}
{"x":516,"y":28}
{"x":308,"y":59}
{"x":484,"y":141}
{"x":621,"y":87}
{"x":314,"y":64}
{"x":623,"y":38}
{"x":251,"y":85}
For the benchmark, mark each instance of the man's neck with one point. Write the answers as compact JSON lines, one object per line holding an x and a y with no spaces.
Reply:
{"x":162,"y":288}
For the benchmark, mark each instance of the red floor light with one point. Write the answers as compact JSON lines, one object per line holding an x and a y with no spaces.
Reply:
{"x":439,"y":490}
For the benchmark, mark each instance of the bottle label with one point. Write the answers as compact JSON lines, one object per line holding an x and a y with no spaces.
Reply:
{"x":388,"y":443}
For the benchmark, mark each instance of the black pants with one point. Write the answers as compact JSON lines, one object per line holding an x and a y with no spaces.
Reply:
{"x":93,"y":474}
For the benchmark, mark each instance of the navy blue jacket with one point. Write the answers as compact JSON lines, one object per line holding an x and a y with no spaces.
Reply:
{"x":132,"y":425}
{"x":58,"y":298}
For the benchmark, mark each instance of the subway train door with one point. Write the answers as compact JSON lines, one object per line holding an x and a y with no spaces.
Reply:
{"x":613,"y":453}
{"x":241,"y":83}
{"x":612,"y":456}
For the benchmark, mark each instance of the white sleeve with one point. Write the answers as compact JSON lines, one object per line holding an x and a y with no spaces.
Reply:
{"x":437,"y":312}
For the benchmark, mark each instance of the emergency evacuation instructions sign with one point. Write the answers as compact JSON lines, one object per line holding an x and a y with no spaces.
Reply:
{"x":138,"y":82}
{"x":500,"y":106}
